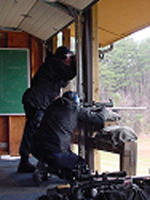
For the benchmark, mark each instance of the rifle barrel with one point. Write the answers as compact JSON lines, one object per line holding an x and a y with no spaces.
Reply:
{"x":128,"y":108}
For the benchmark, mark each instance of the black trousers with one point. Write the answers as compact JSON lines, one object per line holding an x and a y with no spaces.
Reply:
{"x":64,"y":161}
{"x":33,"y":120}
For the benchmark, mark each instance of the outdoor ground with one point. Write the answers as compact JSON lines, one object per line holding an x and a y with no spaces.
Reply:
{"x":143,"y":154}
{"x":110,"y":162}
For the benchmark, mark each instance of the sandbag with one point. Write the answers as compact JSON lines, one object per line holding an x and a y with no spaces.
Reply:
{"x":117,"y":135}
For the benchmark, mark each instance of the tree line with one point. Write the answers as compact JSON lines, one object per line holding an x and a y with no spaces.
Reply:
{"x":124,"y":77}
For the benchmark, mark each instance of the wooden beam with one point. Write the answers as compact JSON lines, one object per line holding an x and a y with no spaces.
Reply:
{"x":36,"y":54}
{"x":128,"y":158}
{"x":66,"y":42}
{"x":54,"y":41}
{"x":66,"y":37}
{"x":95,"y":40}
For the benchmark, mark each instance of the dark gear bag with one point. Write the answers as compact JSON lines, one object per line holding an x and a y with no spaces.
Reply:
{"x":121,"y":192}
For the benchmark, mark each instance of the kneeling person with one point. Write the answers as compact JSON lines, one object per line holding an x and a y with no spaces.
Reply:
{"x":51,"y":142}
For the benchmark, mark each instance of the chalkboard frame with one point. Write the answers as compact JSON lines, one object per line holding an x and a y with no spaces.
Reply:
{"x":7,"y":74}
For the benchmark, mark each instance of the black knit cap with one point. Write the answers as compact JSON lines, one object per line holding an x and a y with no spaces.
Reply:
{"x":62,"y":51}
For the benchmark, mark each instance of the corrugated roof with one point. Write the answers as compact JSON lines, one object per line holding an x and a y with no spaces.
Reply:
{"x":41,"y":18}
{"x":44,"y":18}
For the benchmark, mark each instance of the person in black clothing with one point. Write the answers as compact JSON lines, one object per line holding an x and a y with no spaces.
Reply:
{"x":51,"y":142}
{"x":54,"y":74}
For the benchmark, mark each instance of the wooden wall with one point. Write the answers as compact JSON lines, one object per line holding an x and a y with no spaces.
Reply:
{"x":11,"y":127}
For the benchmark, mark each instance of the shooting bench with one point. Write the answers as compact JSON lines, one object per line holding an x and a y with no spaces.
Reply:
{"x":127,"y":151}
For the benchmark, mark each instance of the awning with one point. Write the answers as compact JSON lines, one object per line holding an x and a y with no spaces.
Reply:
{"x":120,"y":18}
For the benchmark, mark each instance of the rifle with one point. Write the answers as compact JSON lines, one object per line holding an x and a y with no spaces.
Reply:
{"x":84,"y":184}
{"x":87,"y":185}
{"x":106,"y":104}
{"x":96,"y":106}
{"x":141,"y":180}
{"x":116,"y":109}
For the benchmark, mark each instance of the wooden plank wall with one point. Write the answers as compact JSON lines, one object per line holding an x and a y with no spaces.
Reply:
{"x":11,"y":127}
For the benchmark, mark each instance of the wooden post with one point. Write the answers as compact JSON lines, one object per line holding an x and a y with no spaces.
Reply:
{"x":36,"y":54}
{"x":66,"y":37}
{"x":54,"y":40}
{"x":66,"y":34}
{"x":66,"y":42}
{"x":128,"y":158}
{"x":95,"y":40}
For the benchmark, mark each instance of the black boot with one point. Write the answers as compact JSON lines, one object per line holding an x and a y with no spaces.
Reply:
{"x":25,"y":166}
{"x":41,"y":173}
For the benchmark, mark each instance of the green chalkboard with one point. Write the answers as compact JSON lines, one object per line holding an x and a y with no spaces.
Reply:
{"x":14,"y":79}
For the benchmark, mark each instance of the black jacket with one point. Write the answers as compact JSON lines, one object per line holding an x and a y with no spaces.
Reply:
{"x":45,"y":85}
{"x":59,"y":123}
